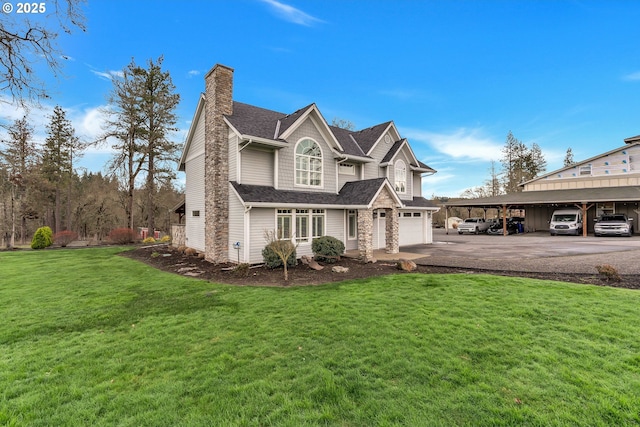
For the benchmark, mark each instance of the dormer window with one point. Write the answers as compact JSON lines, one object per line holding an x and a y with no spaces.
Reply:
{"x":401,"y":177}
{"x":308,"y":163}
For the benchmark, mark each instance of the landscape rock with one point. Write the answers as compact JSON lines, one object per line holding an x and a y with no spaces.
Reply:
{"x":339,"y":269}
{"x":406,"y":265}
{"x":306,"y":260}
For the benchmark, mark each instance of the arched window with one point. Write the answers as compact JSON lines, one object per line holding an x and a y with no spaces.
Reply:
{"x":308,"y":163}
{"x":401,"y":177}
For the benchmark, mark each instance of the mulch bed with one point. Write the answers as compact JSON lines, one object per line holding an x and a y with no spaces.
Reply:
{"x":167,"y":258}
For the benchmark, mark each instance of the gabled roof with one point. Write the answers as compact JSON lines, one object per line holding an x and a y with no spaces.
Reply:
{"x":584,"y":162}
{"x":255,"y":121}
{"x":192,"y":129}
{"x":354,"y":194}
{"x":396,"y":148}
{"x":274,"y":127}
{"x":367,"y":138}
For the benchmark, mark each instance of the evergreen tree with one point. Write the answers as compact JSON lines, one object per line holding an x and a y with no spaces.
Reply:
{"x":142,"y":120}
{"x":520,"y":163}
{"x":158,"y":104}
{"x":57,"y":159}
{"x":568,"y":158}
{"x":18,"y":156}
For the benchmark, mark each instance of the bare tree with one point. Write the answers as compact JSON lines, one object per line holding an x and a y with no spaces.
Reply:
{"x":25,"y":42}
{"x":283,"y":248}
{"x":343,"y":124}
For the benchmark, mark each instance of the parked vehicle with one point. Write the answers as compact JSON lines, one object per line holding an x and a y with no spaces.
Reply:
{"x":473,"y":225}
{"x":566,"y":221}
{"x":514,"y":226}
{"x":613,"y":225}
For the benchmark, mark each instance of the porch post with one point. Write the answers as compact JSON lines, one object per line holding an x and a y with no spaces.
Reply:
{"x":365,"y":234}
{"x":392,"y":231}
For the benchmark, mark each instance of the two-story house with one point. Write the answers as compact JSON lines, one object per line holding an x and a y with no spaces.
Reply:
{"x":249,"y":169}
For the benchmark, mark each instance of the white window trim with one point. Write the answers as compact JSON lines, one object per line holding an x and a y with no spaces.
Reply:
{"x":295,"y":214}
{"x":295,"y":169}
{"x":396,"y":168}
{"x":355,"y":214}
{"x":347,"y":169}
{"x":585,"y":168}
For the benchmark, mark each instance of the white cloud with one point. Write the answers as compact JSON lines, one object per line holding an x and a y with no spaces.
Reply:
{"x":193,"y":73}
{"x":108,"y":75}
{"x":632,"y":76}
{"x":291,"y":14}
{"x":462,"y":143}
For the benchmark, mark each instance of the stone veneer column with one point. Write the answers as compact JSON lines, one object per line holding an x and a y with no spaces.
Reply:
{"x":365,"y":234}
{"x":392,"y":230}
{"x":218,"y":103}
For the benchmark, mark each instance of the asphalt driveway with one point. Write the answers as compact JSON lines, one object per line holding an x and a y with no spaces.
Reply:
{"x":534,"y":252}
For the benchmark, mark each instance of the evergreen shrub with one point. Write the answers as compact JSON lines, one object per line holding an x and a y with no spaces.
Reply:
{"x":327,"y":249}
{"x":43,"y":238}
{"x":272,"y":259}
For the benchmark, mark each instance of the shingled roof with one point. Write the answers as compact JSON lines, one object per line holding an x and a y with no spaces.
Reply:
{"x":354,"y":193}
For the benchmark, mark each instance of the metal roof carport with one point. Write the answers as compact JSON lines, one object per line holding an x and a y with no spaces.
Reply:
{"x":541,"y":204}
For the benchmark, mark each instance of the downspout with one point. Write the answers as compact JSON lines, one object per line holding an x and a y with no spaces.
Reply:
{"x":247,"y":231}
{"x":338,"y":167}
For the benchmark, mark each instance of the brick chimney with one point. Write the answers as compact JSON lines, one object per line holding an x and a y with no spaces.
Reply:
{"x":218,"y":103}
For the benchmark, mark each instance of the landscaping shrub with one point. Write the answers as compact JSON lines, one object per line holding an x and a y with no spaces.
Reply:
{"x":63,"y":238}
{"x":272,"y":259}
{"x":608,"y":273}
{"x":149,"y":240}
{"x":242,"y":270}
{"x":43,"y":238}
{"x":327,"y":249}
{"x":165,"y":239}
{"x":122,"y":236}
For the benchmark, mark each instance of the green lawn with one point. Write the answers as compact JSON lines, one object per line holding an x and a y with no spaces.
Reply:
{"x":91,"y":338}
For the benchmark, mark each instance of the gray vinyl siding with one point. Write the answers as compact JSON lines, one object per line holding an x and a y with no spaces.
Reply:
{"x":392,"y":175}
{"x":343,"y":179}
{"x":286,"y":161}
{"x":261,"y":219}
{"x":373,"y":170}
{"x":417,"y":185}
{"x":197,"y":141}
{"x":257,"y":167}
{"x":335,"y":224}
{"x":194,"y":201}
{"x":233,"y":157}
{"x":236,"y":227}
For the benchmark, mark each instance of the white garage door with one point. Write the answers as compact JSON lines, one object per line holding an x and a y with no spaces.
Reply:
{"x":411,"y":228}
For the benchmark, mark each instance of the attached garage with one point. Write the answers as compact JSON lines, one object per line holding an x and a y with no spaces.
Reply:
{"x":413,"y":227}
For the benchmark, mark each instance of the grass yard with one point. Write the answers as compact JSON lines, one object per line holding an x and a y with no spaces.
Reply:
{"x":91,"y":338}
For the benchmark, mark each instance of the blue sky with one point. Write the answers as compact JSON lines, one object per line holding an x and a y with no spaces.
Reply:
{"x":454,"y":76}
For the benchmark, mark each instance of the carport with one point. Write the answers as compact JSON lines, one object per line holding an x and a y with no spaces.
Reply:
{"x":539,"y":205}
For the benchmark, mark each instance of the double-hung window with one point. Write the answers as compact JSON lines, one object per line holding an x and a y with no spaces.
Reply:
{"x":317,"y":223}
{"x":308,"y":163}
{"x":302,"y":224}
{"x":284,"y":222}
{"x":401,"y":177}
